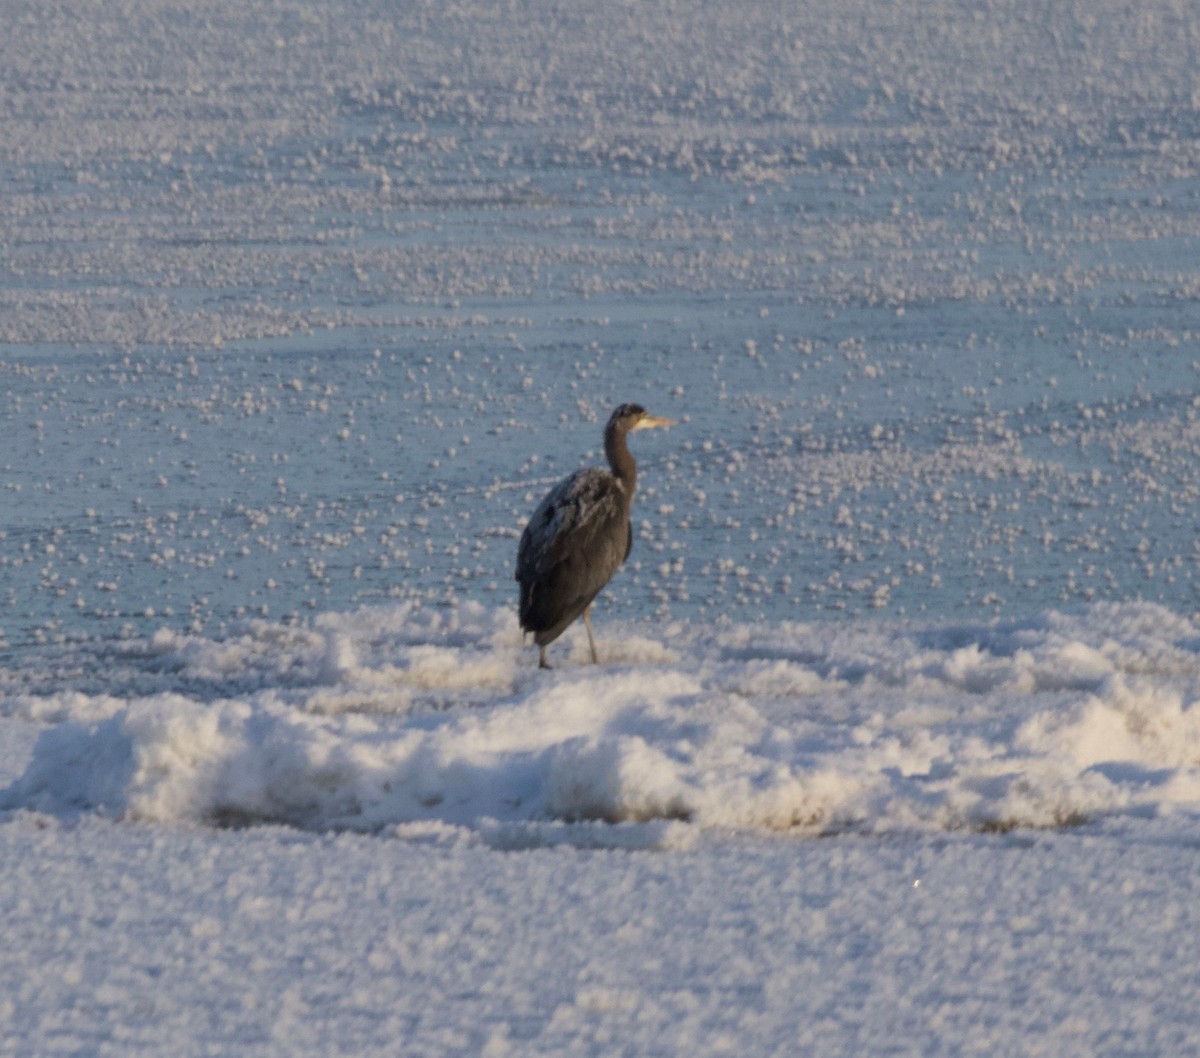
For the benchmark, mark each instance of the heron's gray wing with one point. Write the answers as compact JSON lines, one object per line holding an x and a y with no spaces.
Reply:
{"x":583,"y":514}
{"x":573,"y":544}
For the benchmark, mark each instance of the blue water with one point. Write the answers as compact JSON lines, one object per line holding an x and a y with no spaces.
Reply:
{"x":931,"y":353}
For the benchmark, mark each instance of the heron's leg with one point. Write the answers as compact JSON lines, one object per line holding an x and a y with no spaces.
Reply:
{"x":587,"y":623}
{"x":542,"y":662}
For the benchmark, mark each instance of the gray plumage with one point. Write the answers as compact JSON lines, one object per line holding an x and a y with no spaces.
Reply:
{"x":579,"y":536}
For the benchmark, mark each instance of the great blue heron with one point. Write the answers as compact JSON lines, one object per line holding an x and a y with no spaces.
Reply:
{"x":579,"y":535}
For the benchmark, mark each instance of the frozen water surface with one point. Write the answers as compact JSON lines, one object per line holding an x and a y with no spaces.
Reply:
{"x":303,"y":307}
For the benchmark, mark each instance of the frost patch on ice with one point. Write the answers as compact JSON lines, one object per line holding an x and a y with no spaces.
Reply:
{"x":973,"y":669}
{"x":780,"y":679}
{"x":634,"y":650}
{"x":60,"y":707}
{"x":1133,"y":722}
{"x":370,"y":661}
{"x":437,"y":727}
{"x":614,"y":779}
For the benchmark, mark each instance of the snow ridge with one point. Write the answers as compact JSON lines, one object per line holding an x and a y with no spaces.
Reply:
{"x":392,"y":717}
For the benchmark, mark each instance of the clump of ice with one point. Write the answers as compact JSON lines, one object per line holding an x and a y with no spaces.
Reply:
{"x":393,"y":718}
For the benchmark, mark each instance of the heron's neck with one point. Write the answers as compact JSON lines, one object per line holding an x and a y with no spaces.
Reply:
{"x":624,"y":467}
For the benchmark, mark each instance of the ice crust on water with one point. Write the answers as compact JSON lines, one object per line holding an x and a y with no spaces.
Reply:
{"x":918,"y":278}
{"x":395,"y":717}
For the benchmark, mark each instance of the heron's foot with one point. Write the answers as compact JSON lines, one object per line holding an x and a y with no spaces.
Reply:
{"x":542,"y":662}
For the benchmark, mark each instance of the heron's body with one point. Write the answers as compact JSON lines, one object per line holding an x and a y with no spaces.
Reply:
{"x":579,"y":536}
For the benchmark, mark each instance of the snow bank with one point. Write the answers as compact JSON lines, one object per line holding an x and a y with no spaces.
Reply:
{"x":395,"y":717}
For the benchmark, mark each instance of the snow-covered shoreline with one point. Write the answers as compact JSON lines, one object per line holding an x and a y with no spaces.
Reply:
{"x":393,"y":716}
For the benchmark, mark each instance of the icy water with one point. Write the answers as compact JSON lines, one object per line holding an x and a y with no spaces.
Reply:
{"x":311,"y":315}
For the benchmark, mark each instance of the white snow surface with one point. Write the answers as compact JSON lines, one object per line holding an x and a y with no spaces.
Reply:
{"x":387,"y":831}
{"x":393,"y":718}
{"x":894,"y":747}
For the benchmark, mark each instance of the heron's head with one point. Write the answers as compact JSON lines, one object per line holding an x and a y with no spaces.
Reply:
{"x":634,"y":417}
